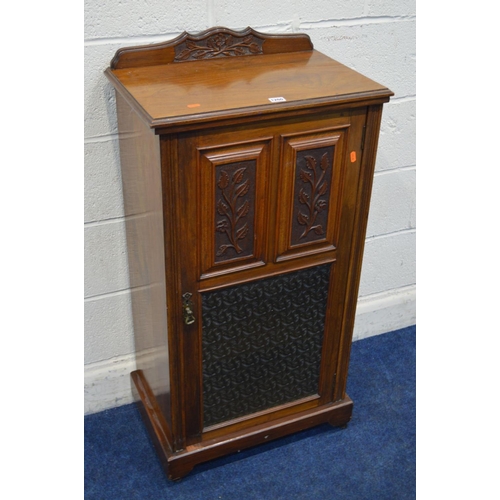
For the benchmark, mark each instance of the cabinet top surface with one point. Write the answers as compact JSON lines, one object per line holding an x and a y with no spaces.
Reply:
{"x":212,"y":88}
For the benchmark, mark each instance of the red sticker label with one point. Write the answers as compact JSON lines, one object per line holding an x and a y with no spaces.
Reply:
{"x":353,"y":156}
{"x":193,"y":105}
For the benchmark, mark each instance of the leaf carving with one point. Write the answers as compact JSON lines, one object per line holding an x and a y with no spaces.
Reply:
{"x":303,"y":197}
{"x":320,"y":205}
{"x":223,"y":180}
{"x":219,"y":45}
{"x":242,"y":189}
{"x":221,"y":226}
{"x":310,"y":162}
{"x":242,"y":232}
{"x":303,"y":219}
{"x":254,"y":48}
{"x":305,"y":176}
{"x":238,"y":175}
{"x":184,"y":54}
{"x":222,"y":208}
{"x":243,"y":210}
{"x":222,"y":250}
{"x":318,"y":229}
{"x":211,"y":42}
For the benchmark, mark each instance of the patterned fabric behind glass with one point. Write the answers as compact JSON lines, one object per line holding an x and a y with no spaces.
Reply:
{"x":262,"y":343}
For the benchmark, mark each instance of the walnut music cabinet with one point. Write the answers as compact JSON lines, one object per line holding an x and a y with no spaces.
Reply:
{"x":247,"y":167}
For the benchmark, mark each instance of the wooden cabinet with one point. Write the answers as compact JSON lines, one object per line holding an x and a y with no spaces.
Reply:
{"x":247,"y":165}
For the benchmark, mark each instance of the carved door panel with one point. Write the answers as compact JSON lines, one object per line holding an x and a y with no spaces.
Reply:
{"x":311,"y":176}
{"x":268,"y":217}
{"x":233,"y":198}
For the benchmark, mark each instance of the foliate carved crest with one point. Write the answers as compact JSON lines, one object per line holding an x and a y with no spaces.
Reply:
{"x":218,"y":45}
{"x":209,"y":44}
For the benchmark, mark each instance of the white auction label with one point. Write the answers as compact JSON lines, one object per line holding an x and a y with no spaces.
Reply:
{"x":277,"y":99}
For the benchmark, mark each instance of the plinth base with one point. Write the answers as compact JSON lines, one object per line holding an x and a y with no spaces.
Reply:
{"x":179,"y":463}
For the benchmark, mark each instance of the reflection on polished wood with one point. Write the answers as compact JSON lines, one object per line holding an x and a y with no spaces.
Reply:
{"x":142,"y":196}
{"x":167,"y":93}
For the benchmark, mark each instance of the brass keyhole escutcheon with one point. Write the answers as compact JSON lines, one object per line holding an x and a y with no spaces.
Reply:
{"x":187,"y":306}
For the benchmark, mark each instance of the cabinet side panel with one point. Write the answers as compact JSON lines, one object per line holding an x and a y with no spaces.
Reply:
{"x":142,"y":194}
{"x":364,"y":189}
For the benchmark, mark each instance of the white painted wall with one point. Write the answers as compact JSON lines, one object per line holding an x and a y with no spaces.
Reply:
{"x":374,"y":37}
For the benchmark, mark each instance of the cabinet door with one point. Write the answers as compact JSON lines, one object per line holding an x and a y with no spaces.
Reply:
{"x":225,"y":191}
{"x":268,"y":224}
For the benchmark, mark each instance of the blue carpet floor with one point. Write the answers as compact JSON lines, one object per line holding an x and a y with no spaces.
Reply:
{"x":373,"y":458}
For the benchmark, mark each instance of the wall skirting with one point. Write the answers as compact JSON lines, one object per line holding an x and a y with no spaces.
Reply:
{"x":107,"y":383}
{"x":385,"y":312}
